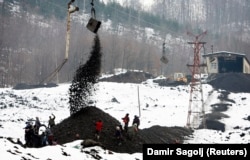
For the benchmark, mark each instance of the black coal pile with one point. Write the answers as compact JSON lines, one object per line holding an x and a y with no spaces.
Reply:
{"x":21,"y":86}
{"x":129,"y":77}
{"x":232,"y":82}
{"x":82,"y":119}
{"x":167,"y":82}
{"x":82,"y":123}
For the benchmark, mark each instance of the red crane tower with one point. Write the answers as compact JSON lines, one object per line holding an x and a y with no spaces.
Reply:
{"x":196,"y":111}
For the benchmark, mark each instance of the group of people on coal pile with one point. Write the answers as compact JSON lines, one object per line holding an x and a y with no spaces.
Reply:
{"x":39,"y":135}
{"x":122,"y":130}
{"x":128,"y":132}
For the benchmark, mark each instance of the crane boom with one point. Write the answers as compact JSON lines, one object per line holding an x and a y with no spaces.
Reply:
{"x":71,"y":9}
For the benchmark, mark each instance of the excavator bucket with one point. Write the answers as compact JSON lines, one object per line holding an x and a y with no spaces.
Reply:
{"x":164,"y":59}
{"x":93,"y":25}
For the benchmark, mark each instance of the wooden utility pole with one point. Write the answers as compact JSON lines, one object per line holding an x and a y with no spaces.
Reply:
{"x":71,"y":9}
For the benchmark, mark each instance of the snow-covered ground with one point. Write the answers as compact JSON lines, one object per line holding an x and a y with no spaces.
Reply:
{"x":164,"y":106}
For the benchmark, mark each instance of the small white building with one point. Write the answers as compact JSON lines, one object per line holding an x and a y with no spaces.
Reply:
{"x":225,"y":62}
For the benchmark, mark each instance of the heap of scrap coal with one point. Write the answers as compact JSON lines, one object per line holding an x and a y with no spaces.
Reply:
{"x":227,"y":83}
{"x":86,"y":76}
{"x":82,"y":123}
{"x":21,"y":86}
{"x":129,"y":77}
{"x":168,"y":82}
{"x":232,"y":82}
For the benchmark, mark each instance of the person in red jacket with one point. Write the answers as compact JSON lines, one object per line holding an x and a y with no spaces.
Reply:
{"x":98,"y":128}
{"x":126,"y":121}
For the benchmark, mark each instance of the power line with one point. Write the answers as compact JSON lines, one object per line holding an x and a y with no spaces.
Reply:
{"x":141,"y":19}
{"x":126,"y":14}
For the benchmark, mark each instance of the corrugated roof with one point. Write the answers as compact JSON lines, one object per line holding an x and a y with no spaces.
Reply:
{"x":224,"y":53}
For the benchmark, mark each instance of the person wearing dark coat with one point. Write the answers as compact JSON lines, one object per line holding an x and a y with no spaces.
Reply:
{"x":52,"y":121}
{"x":118,"y":135}
{"x":29,"y":134}
{"x":37,"y":125}
{"x":136,"y":121}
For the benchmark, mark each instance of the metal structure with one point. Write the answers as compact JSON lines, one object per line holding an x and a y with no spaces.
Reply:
{"x":71,"y":9}
{"x":164,"y":59}
{"x":196,"y":110}
{"x":93,"y":24}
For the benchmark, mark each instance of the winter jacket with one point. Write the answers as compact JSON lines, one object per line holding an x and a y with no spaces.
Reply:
{"x":52,"y":121}
{"x":98,"y":126}
{"x":126,"y":119}
{"x":136,"y":121}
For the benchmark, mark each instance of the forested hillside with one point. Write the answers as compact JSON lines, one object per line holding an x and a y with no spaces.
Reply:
{"x":32,"y":42}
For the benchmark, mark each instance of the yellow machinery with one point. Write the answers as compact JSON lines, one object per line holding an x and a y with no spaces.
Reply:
{"x":180,"y":77}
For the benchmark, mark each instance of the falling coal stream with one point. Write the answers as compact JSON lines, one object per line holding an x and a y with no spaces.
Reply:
{"x":84,"y":79}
